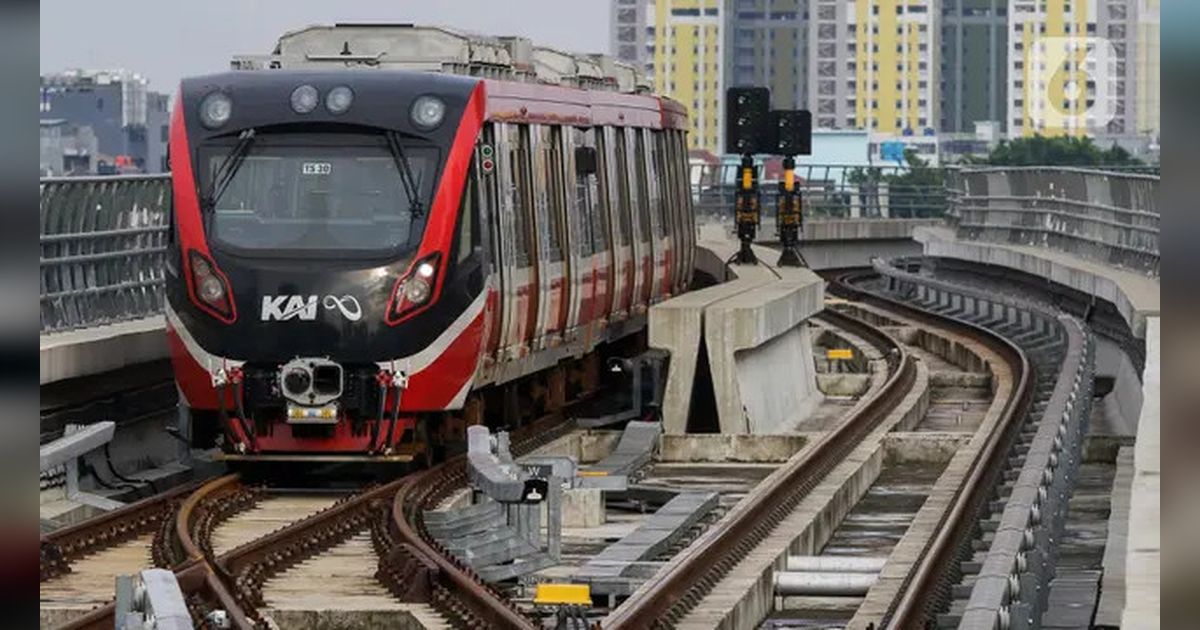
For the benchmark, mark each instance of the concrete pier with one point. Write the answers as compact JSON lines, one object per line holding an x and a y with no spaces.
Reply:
{"x":750,"y":332}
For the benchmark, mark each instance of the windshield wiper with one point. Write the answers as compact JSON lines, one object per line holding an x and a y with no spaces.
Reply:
{"x":228,"y":167}
{"x":412,"y":189}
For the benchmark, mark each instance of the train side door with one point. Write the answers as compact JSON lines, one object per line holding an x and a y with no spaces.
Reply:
{"x":493,"y":240}
{"x":620,"y":215}
{"x":551,"y":261}
{"x":642,"y":254}
{"x":672,"y":217}
{"x":657,"y":195}
{"x":686,"y":209}
{"x":579,"y":245}
{"x":519,"y":273}
{"x":602,"y":231}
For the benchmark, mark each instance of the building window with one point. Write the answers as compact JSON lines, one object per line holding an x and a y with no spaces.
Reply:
{"x":162,"y":133}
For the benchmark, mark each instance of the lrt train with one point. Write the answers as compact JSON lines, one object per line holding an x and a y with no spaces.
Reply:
{"x":364,"y":262}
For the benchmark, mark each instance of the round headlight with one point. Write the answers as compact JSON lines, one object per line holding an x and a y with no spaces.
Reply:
{"x":215,"y":110}
{"x":427,"y":112}
{"x":416,"y":290}
{"x":211,"y":289}
{"x":339,"y":99}
{"x":304,"y":99}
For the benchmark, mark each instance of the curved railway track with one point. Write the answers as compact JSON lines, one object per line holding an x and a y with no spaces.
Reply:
{"x":685,"y":582}
{"x":413,"y":566}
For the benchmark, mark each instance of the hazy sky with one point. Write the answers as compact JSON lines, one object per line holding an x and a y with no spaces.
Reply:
{"x":166,"y":40}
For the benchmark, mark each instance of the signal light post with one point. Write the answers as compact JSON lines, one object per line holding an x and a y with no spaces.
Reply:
{"x":789,"y":217}
{"x":752,"y":127}
{"x":746,"y":211}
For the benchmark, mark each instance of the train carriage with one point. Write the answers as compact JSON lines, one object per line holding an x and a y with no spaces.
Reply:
{"x":365,"y":261}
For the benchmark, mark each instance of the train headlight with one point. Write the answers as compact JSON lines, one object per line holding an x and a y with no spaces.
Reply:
{"x":416,"y":291}
{"x":209,"y":288}
{"x":427,"y":112}
{"x":215,"y":110}
{"x":339,"y":99}
{"x":304,"y":99}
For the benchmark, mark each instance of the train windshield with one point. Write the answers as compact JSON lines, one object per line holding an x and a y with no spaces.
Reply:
{"x":310,"y":192}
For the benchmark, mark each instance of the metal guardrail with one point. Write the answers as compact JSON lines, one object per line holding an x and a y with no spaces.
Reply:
{"x":832,"y":191}
{"x":1109,"y":216}
{"x":103,"y":245}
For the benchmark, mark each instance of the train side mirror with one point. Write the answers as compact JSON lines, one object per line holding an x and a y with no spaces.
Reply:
{"x":585,"y":160}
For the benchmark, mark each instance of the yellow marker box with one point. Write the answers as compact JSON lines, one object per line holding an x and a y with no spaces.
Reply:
{"x":840,"y":353}
{"x":548,"y":594}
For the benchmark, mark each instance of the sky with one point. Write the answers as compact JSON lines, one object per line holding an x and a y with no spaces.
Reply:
{"x":166,"y":40}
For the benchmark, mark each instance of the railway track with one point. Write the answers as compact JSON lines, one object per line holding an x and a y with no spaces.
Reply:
{"x":935,"y":587}
{"x":684,"y":583}
{"x":228,"y":583}
{"x":227,"y":577}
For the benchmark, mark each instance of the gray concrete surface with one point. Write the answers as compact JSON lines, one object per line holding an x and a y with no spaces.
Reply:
{"x":750,"y":325}
{"x":760,"y":354}
{"x":1136,"y":296}
{"x":1143,"y":556}
{"x":89,"y":351}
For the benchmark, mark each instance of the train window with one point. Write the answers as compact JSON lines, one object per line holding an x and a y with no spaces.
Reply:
{"x":685,"y":180}
{"x":581,"y":194}
{"x":336,"y":192}
{"x":601,"y":219}
{"x":522,"y":188}
{"x":550,"y":152}
{"x":594,"y":207}
{"x":643,"y":200}
{"x":468,"y":216}
{"x":620,"y":166}
{"x":662,"y":183}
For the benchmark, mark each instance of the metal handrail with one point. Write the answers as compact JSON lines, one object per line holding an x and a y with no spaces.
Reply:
{"x":103,"y":243}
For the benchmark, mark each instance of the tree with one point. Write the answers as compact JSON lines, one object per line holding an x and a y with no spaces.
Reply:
{"x":915,"y":190}
{"x":1056,"y":151}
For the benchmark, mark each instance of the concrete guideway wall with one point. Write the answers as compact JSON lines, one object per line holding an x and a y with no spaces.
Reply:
{"x":676,"y":325}
{"x":754,"y":334}
{"x":1143,"y":556}
{"x":90,"y":351}
{"x":760,"y":353}
{"x":1135,"y":296}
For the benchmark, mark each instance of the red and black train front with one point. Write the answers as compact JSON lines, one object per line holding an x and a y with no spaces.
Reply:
{"x":325,"y":283}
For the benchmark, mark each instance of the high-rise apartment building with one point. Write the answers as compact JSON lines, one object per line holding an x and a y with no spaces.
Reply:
{"x":974,"y":63}
{"x":765,"y":46}
{"x":689,"y":64}
{"x":1071,"y":67}
{"x":872,"y":65}
{"x":631,"y":31}
{"x":1146,"y":97}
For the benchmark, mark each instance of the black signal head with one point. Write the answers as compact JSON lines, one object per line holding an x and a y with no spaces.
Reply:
{"x":790,"y":132}
{"x":747,"y":110}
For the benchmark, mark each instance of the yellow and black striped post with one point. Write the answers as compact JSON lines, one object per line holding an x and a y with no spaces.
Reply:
{"x":789,"y":218}
{"x":746,"y":211}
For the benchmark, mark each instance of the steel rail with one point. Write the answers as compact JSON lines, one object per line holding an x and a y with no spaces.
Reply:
{"x":62,"y":546}
{"x":684,"y":582}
